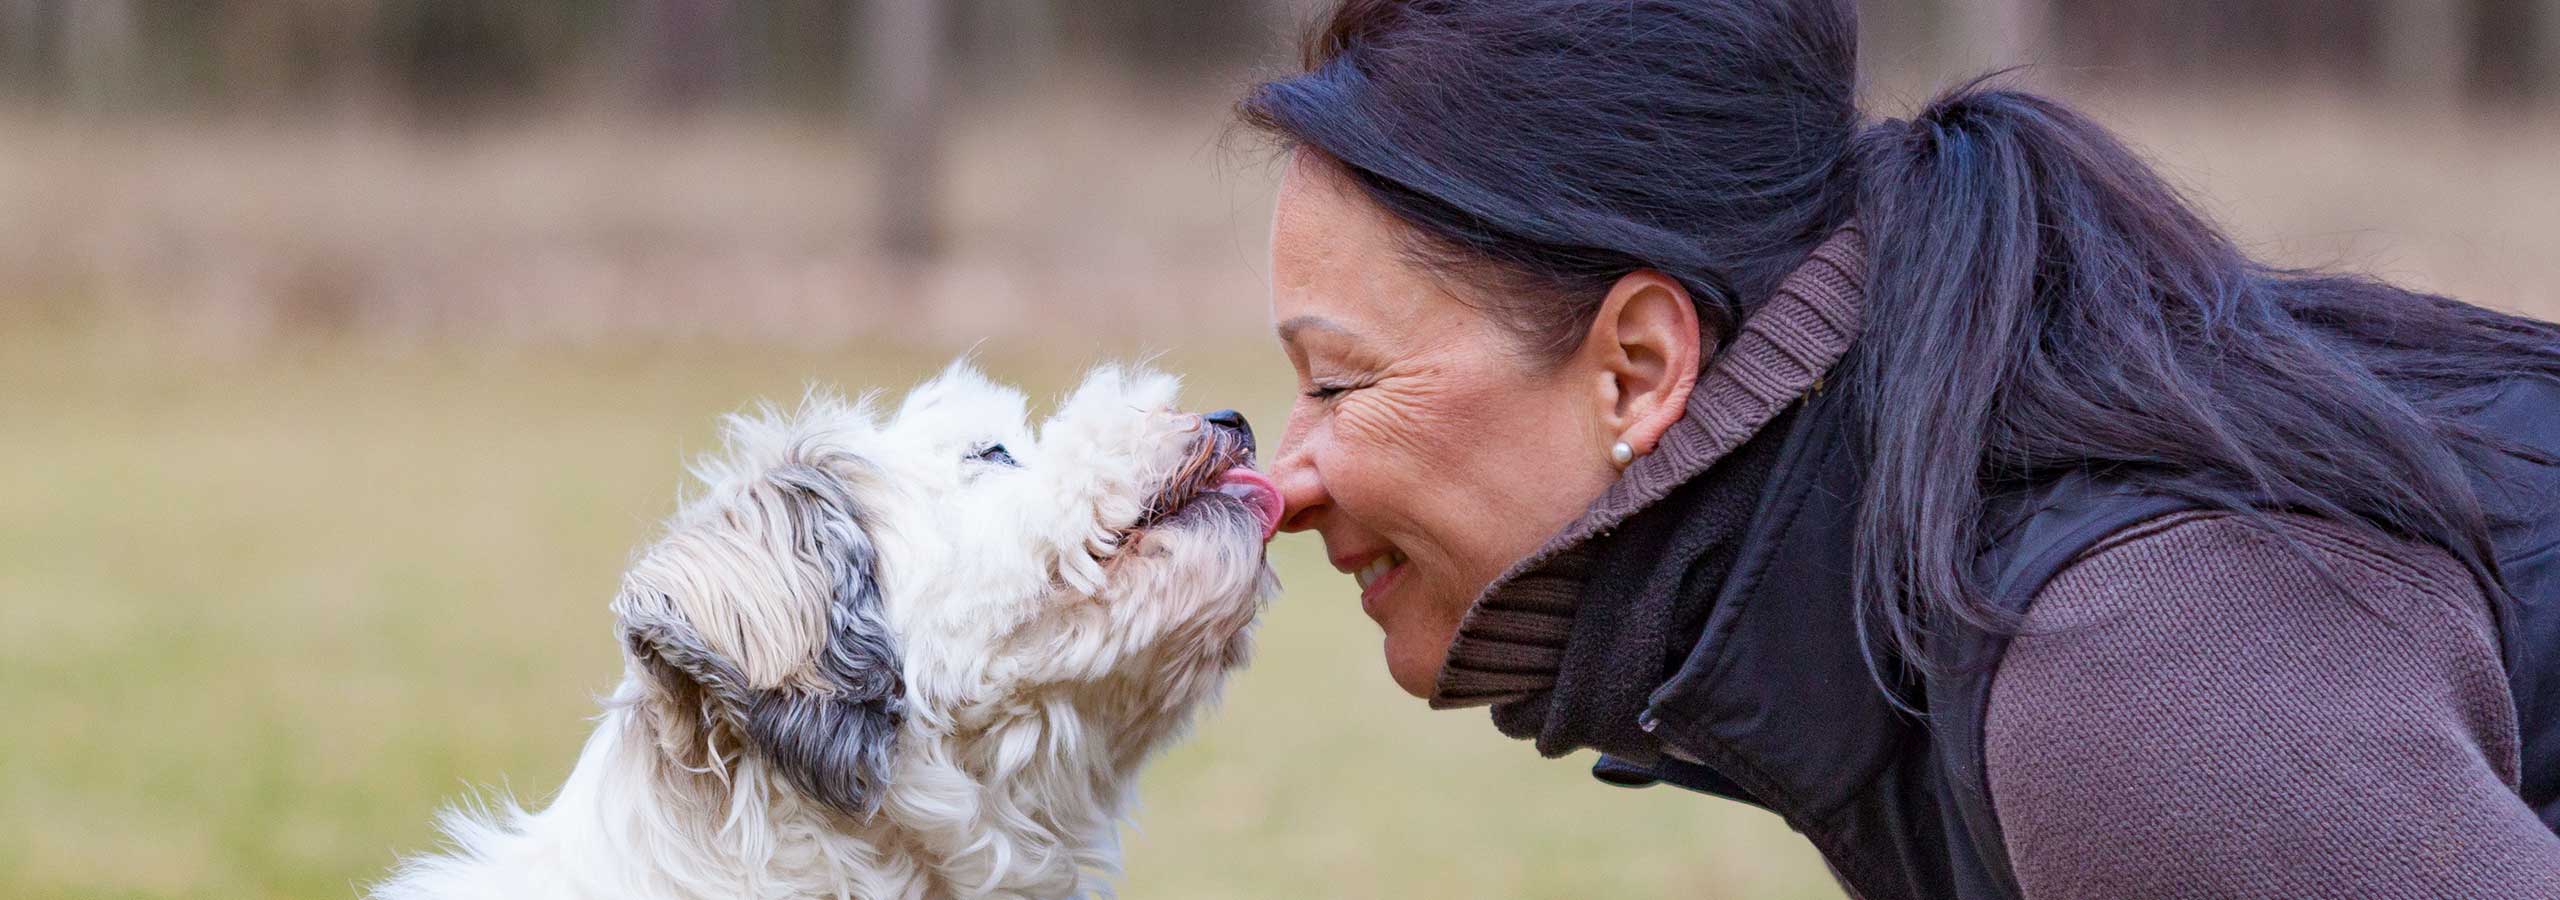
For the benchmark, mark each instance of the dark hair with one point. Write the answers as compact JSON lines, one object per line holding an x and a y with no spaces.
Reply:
{"x":1567,"y":144}
{"x":2038,"y":300}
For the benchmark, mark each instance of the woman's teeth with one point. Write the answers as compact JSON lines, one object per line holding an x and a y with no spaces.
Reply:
{"x":1377,"y":568}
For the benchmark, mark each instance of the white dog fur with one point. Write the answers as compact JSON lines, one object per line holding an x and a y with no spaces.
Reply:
{"x":898,"y":659}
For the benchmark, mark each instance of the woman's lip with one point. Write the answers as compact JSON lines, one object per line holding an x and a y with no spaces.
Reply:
{"x":1369,"y":595}
{"x":1350,"y":564}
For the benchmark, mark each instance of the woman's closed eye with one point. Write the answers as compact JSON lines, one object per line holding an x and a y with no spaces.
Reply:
{"x":1327,"y":390}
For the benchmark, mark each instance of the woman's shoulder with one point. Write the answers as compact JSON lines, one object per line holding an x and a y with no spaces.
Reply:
{"x":2215,"y":609}
{"x":2201,"y":698}
{"x":2213,"y":565}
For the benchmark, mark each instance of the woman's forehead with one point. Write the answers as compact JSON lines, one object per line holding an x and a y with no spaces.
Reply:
{"x":1320,"y":222}
{"x":1339,"y":266}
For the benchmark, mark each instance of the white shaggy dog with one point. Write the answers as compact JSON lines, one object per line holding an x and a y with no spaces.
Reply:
{"x":919,"y":657}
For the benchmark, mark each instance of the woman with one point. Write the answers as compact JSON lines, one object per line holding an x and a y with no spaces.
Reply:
{"x":1949,"y":487}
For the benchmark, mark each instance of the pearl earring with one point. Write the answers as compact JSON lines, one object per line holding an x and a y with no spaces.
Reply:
{"x":1622,"y":454}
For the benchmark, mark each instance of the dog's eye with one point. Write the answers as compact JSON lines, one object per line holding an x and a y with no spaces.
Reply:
{"x":994,"y":453}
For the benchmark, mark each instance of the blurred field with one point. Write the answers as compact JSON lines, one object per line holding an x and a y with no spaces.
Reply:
{"x":322,"y":444}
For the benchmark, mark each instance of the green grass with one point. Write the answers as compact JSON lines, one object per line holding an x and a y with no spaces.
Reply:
{"x":259,"y":618}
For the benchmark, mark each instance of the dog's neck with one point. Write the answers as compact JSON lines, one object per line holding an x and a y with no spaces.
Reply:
{"x":1002,"y":812}
{"x":631,"y":823}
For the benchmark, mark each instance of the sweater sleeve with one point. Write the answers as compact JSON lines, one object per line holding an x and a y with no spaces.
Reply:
{"x":2198,"y":712}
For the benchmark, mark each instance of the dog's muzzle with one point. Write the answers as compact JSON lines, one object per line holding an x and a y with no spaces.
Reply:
{"x":1220,"y":465}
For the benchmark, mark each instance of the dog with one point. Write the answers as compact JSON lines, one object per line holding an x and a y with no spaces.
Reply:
{"x":908,"y":657}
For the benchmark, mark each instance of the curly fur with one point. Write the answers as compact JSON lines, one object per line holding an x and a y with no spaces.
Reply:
{"x":871,"y":660}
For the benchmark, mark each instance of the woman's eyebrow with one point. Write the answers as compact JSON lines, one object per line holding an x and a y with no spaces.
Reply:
{"x":1291,"y":327}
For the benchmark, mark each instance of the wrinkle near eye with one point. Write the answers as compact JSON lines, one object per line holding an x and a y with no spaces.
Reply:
{"x":1408,"y":414}
{"x":1344,"y":363}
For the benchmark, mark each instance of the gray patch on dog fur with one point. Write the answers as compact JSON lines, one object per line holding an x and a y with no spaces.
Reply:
{"x":835,"y":743}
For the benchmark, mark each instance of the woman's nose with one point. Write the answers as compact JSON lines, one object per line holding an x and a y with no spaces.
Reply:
{"x":1302,"y":493}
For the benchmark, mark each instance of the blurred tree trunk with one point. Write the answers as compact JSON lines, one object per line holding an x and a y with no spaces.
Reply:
{"x":2546,"y":47}
{"x":905,"y":48}
{"x":1992,"y":34}
{"x":24,"y":27}
{"x":2426,"y":49}
{"x":251,"y":65}
{"x":347,"y":44}
{"x":99,"y":43}
{"x":1011,"y":43}
{"x":691,"y":45}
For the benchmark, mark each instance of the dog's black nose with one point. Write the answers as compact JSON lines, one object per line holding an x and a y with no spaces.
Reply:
{"x":1233,"y":421}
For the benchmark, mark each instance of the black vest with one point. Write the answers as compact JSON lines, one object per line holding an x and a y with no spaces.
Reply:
{"x":1774,"y":705}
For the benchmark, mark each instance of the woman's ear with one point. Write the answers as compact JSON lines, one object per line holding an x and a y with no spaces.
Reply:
{"x":1645,"y":350}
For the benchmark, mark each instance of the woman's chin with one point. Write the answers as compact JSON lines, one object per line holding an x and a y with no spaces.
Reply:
{"x":1414,"y":678}
{"x":1414,"y":656}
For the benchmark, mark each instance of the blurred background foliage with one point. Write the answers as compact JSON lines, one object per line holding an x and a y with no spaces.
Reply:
{"x":348,"y":346}
{"x":584,"y":170}
{"x":478,"y":57}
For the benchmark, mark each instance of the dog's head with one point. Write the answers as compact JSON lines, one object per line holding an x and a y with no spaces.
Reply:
{"x":846,"y":583}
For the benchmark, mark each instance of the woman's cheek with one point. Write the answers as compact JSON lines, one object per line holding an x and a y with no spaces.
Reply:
{"x":1395,"y":421}
{"x":1372,"y":471}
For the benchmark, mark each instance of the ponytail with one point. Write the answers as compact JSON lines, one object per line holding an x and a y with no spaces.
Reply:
{"x":2042,"y":302}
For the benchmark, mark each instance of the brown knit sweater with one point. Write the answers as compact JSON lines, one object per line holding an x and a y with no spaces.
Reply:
{"x":2197,"y":710}
{"x":2201,"y":713}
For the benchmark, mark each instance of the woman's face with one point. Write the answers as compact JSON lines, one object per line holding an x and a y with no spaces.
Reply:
{"x":1426,"y":446}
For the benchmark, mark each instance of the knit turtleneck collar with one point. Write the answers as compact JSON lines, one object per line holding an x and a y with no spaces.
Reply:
{"x":1512,"y":641}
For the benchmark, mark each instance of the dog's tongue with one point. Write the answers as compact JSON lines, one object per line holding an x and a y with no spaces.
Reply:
{"x":1257,"y":491}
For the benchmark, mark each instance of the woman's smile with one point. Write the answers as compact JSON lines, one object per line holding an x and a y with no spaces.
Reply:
{"x":1375,"y":578}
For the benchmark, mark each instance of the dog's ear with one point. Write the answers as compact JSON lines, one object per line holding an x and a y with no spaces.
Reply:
{"x":697,"y":691}
{"x":835,"y":740}
{"x":830,"y":725}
